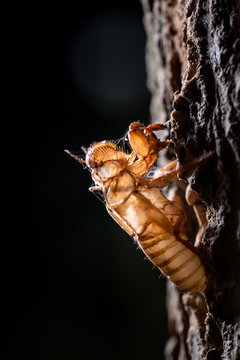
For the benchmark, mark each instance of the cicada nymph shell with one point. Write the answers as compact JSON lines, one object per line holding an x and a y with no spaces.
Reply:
{"x":136,"y":203}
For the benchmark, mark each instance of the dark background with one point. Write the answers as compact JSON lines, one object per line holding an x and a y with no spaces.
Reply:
{"x":74,"y":286}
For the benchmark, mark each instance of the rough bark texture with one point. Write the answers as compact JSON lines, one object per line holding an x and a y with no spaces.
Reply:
{"x":193,"y":53}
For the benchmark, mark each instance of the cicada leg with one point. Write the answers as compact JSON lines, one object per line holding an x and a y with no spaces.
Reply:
{"x":200,"y":209}
{"x":155,"y":127}
{"x":145,"y":145}
{"x":170,"y":166}
{"x":164,"y":176}
{"x":138,"y":140}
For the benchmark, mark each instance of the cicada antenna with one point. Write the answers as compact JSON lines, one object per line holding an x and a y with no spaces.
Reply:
{"x":75,"y":156}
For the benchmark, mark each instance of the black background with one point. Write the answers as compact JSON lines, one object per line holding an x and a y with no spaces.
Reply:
{"x":74,"y":286}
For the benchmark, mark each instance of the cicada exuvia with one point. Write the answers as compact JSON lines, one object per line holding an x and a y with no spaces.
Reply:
{"x":135,"y":201}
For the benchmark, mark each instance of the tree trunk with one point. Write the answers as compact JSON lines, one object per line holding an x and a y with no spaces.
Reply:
{"x":193,"y":52}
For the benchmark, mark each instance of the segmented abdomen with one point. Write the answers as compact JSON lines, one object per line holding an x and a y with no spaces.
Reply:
{"x":178,"y":262}
{"x":152,"y":219}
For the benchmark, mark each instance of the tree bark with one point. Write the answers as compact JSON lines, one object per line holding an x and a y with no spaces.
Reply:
{"x":192,"y":56}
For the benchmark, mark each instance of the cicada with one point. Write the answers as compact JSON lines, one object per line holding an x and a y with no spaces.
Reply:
{"x":134,"y":199}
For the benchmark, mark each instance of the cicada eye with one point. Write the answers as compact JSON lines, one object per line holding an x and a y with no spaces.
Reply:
{"x":106,"y":171}
{"x":110,"y":169}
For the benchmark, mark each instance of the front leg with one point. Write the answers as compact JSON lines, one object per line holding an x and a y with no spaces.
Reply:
{"x":143,"y":141}
{"x":138,"y":140}
{"x":145,"y":145}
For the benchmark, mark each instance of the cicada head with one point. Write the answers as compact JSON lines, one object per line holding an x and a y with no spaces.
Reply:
{"x":105,"y":161}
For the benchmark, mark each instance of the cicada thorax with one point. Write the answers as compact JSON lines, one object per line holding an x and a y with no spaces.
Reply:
{"x":152,"y":219}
